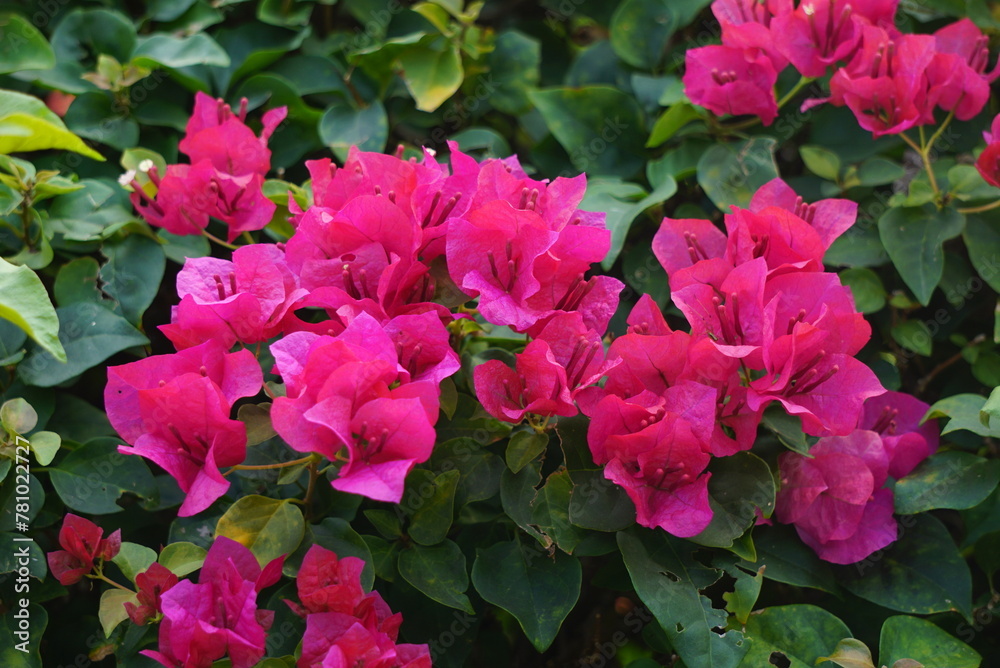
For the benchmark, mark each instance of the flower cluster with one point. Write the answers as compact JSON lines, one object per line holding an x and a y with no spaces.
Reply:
{"x":344,"y":625}
{"x":225,"y":177}
{"x":218,"y":615}
{"x":891,"y":81}
{"x":83,"y":548}
{"x":175,"y":410}
{"x":836,"y":497}
{"x":767,"y":325}
{"x":356,"y":305}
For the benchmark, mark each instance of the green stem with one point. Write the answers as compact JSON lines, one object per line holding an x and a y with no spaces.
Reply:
{"x":211,"y":237}
{"x":247,"y":238}
{"x":101,"y":576}
{"x":925,"y":158}
{"x":803,"y":82}
{"x":264,"y":467}
{"x":977,"y":209}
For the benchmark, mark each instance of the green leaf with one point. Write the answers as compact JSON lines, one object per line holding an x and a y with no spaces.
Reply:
{"x":432,"y":72}
{"x":514,"y":70}
{"x":179,"y":248}
{"x":739,"y":485}
{"x":182,"y":558}
{"x":169,"y":51}
{"x":866,"y":287}
{"x":599,"y":504}
{"x":433,"y":507}
{"x":18,"y":416}
{"x":134,"y":559}
{"x":77,"y":282}
{"x":479,"y":468}
{"x":343,"y":126}
{"x":132,"y":274}
{"x":22,"y":47}
{"x":789,"y":560}
{"x":982,"y":238}
{"x":269,"y":527}
{"x":879,"y":172}
{"x":439,"y":572}
{"x":746,"y":590}
{"x":26,"y":124}
{"x":913,"y":237}
{"x":98,"y":117}
{"x":25,"y":302}
{"x":622,"y":203}
{"x":257,"y":418}
{"x":731,"y":173}
{"x":800,"y":633}
{"x":640,"y":31}
{"x":822,"y":162}
{"x":551,"y":511}
{"x":91,"y":478}
{"x":45,"y":445}
{"x":788,"y":429}
{"x":668,"y":579}
{"x":850,"y":653}
{"x":92,"y":213}
{"x":914,"y":335}
{"x":601,"y":128}
{"x":90,"y":334}
{"x":672,"y":120}
{"x":964,"y":412}
{"x":523,"y":447}
{"x":11,"y":560}
{"x":112,"y":611}
{"x":905,"y":637}
{"x":539,"y":590}
{"x":956,"y":480}
{"x":921,"y":573}
{"x":517,"y":494}
{"x":9,"y":502}
{"x":82,"y":32}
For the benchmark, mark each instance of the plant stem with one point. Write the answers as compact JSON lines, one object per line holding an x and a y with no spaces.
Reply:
{"x":211,"y":237}
{"x":980,"y":209}
{"x":264,"y":467}
{"x":101,"y":576}
{"x":247,"y":238}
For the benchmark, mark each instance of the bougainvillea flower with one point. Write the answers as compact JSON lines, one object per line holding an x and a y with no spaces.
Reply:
{"x":896,"y":417}
{"x":187,"y":431}
{"x":218,"y":616}
{"x":681,"y":242}
{"x":728,"y":80}
{"x":336,"y":640}
{"x":661,"y":467}
{"x":829,"y":217}
{"x":237,"y":375}
{"x":819,"y":299}
{"x":957,"y":75}
{"x":886,"y":85}
{"x":785,"y":241}
{"x":214,"y":133}
{"x":566,"y":357}
{"x":825,"y":390}
{"x":423,"y":346}
{"x":151,"y":585}
{"x":988,"y":163}
{"x":242,"y":300}
{"x":327,"y":583}
{"x":183,"y":201}
{"x":363,"y":249}
{"x":833,"y":496}
{"x":725,"y":303}
{"x":491,"y":252}
{"x":818,"y":34}
{"x":746,"y":24}
{"x":82,"y":543}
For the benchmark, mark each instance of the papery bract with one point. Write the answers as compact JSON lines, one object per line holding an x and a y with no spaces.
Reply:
{"x":897,"y":418}
{"x":83,"y":544}
{"x":187,"y":431}
{"x":151,"y":585}
{"x":729,"y":80}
